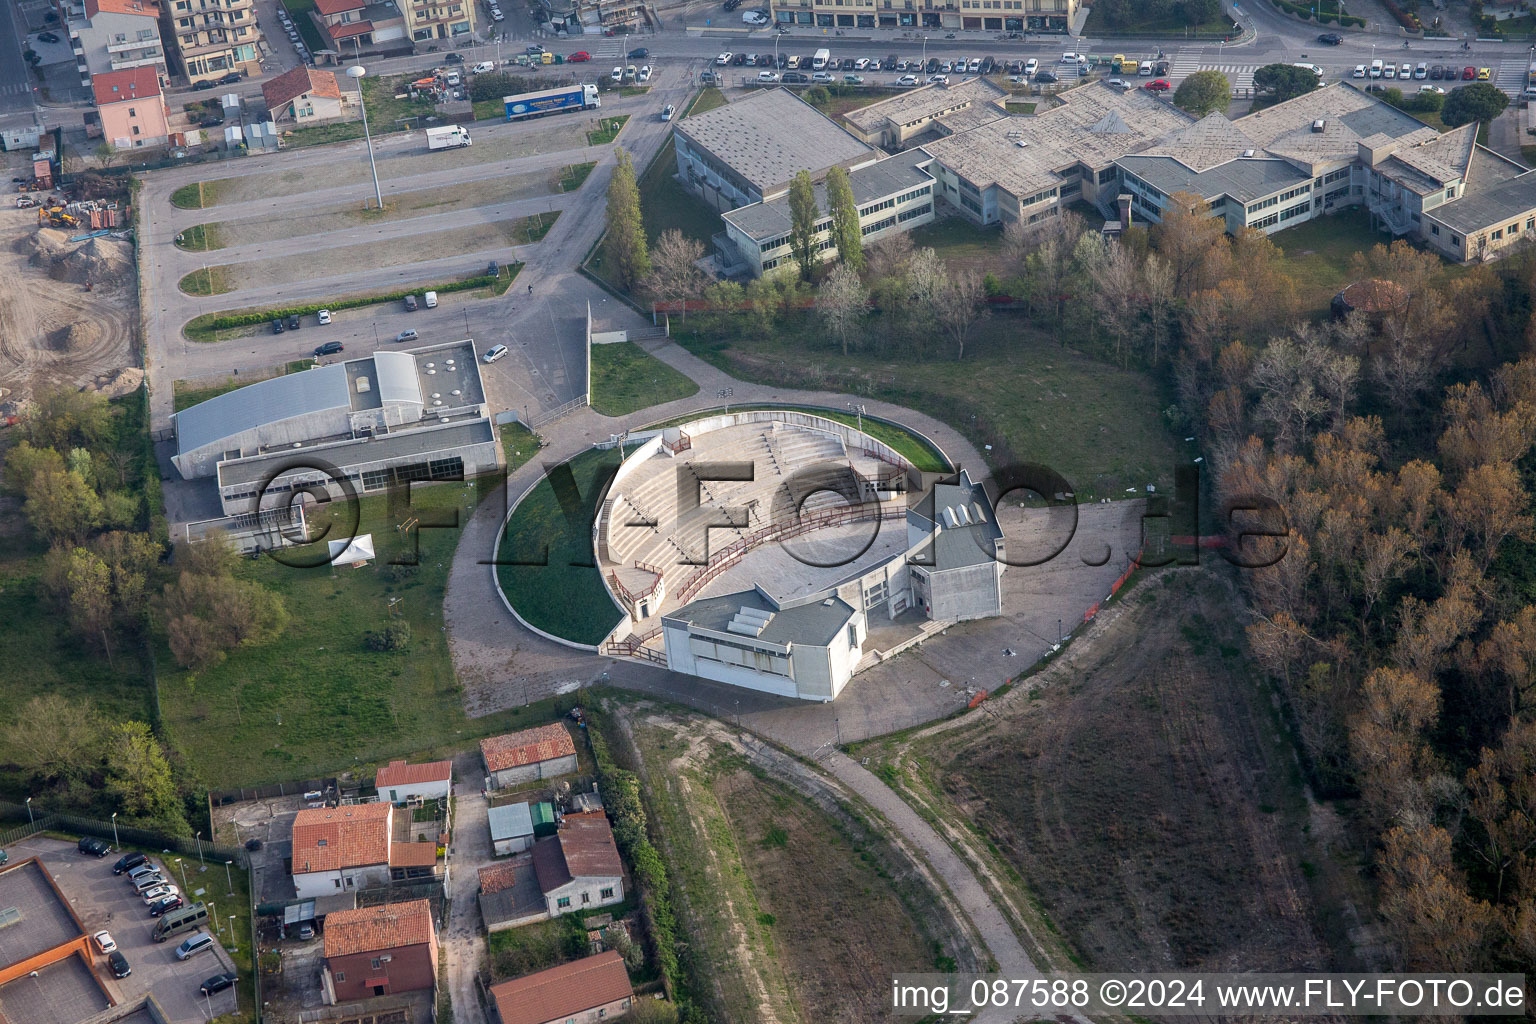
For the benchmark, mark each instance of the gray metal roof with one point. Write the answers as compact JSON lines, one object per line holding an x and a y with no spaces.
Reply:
{"x":954,"y":544}
{"x":1244,"y":179}
{"x":347,"y":454}
{"x":770,"y":136}
{"x":877,"y":181}
{"x":510,"y":821}
{"x":256,"y":405}
{"x":396,"y":376}
{"x":1507,"y":201}
{"x":45,"y":920}
{"x":816,"y":623}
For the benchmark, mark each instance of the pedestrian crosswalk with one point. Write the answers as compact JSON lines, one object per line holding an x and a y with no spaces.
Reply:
{"x":1511,"y":75}
{"x":1186,"y":63}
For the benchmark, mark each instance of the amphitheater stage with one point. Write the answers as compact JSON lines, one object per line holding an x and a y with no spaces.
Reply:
{"x":785,"y":577}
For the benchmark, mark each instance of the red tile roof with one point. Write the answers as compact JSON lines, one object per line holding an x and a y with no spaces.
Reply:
{"x":563,"y":991}
{"x":412,"y":855}
{"x":584,"y":848}
{"x":291,"y":84}
{"x":147,"y":8}
{"x":368,"y":929}
{"x":398,"y":773}
{"x":338,"y":6}
{"x":116,"y":86}
{"x":327,"y":838}
{"x":347,"y":31}
{"x":530,"y":746}
{"x":497,"y":877}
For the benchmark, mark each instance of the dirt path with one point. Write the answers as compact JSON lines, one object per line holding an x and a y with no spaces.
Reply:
{"x":463,"y":940}
{"x":52,"y":331}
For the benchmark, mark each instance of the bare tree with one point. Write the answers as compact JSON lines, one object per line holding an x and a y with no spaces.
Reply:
{"x":962,"y":304}
{"x":1117,"y":296}
{"x":842,"y":302}
{"x":674,"y":271}
{"x":889,"y":256}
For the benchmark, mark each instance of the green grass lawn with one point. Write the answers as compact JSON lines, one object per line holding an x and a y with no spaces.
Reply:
{"x":708,"y":99}
{"x":1020,"y":106}
{"x":518,"y":444}
{"x":1319,"y":252}
{"x":625,"y":378}
{"x":200,"y":238}
{"x":206,"y":281}
{"x":961,"y":244}
{"x":608,"y":129}
{"x":196,"y":196}
{"x":634,"y":90}
{"x":575,"y":176}
{"x":318,"y":700}
{"x":842,"y":99}
{"x":323,"y":134}
{"x":562,"y":592}
{"x":490,"y":110}
{"x":1099,"y":426}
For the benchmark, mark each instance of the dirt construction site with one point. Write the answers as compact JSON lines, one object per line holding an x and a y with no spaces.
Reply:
{"x":67,"y":313}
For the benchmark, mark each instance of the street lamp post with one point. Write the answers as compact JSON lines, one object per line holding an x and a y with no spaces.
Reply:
{"x":183,"y":872}
{"x":200,"y":851}
{"x":114,"y":829}
{"x":357,"y":71}
{"x":228,"y":877}
{"x":30,"y":820}
{"x":216,"y":927}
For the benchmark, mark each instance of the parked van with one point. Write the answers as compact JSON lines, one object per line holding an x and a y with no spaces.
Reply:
{"x":1130,"y":67}
{"x":201,"y":942}
{"x":179,"y":921}
{"x":1376,"y":69}
{"x":820,"y":59}
{"x":431,"y":298}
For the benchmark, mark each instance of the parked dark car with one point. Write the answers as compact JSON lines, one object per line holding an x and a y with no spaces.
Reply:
{"x":410,"y":303}
{"x":492,"y":269}
{"x":765,"y":60}
{"x":1330,"y":38}
{"x":731,"y":5}
{"x":1437,"y":72}
{"x":277,"y":327}
{"x":783,"y":61}
{"x":205,"y":84}
{"x":164,"y":904}
{"x":638,"y":53}
{"x":294,"y":323}
{"x":253,"y":845}
{"x":119,"y":964}
{"x":330,"y":348}
{"x":933,"y":66}
{"x":48,"y":37}
{"x":127,"y":862}
{"x":739,"y":60}
{"x":1045,"y":77}
{"x":987,"y":64}
{"x":95,"y":847}
{"x":890,"y":63}
{"x":217,"y":983}
{"x":796,"y":78}
{"x":211,"y":122}
{"x":233,"y":78}
{"x":847,"y":64}
{"x":454,"y":58}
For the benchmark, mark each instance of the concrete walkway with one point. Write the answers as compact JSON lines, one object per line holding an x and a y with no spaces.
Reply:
{"x":463,"y":939}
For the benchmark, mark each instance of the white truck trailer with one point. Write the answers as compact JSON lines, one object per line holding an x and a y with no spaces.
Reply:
{"x":448,"y":137}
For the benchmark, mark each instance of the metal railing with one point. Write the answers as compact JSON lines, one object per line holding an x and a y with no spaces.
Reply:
{"x":543,"y":418}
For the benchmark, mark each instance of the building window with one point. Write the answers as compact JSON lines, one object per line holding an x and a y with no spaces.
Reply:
{"x":853,"y":636}
{"x":607,"y":894}
{"x":563,"y":902}
{"x":1455,"y":239}
{"x":1514,"y":228}
{"x":1434,"y":229}
{"x":1498,"y":234}
{"x":374,"y":963}
{"x":341,"y":975}
{"x":1450,"y":193}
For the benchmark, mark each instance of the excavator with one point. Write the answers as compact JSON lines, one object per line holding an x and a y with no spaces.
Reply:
{"x":58,"y":217}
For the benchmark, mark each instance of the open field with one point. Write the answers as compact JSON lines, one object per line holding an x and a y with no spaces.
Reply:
{"x":1098,"y":425}
{"x":318,"y":697}
{"x":790,"y":908}
{"x":664,"y":205}
{"x":625,"y":378}
{"x":546,"y":567}
{"x":1207,"y":856}
{"x":441,"y":199}
{"x":428,"y":245}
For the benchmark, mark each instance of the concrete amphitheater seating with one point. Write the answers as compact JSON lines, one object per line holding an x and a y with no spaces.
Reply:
{"x":776,"y":450}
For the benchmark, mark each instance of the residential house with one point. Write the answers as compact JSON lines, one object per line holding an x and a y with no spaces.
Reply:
{"x":400,"y":783}
{"x":428,"y":21}
{"x":341,"y":848}
{"x":132,"y":108}
{"x":212,"y":38}
{"x":511,"y":828}
{"x":538,"y":753}
{"x":378,"y":951}
{"x":308,"y":95}
{"x":578,"y":868}
{"x":353,"y":26}
{"x":118,"y":35}
{"x":591,"y":989}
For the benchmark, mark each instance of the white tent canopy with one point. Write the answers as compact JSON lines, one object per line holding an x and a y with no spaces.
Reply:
{"x":357,"y":551}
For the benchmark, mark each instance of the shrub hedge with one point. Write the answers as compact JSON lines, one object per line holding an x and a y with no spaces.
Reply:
{"x":221,"y":321}
{"x":1305,"y":13}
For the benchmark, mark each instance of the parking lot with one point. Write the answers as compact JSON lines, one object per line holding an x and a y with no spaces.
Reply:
{"x":103,"y":900}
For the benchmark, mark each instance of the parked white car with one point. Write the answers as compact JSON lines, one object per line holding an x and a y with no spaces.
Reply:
{"x":1432,"y":88}
{"x":1031,"y":66}
{"x":938,"y":79}
{"x":767,"y":76}
{"x":483,"y":67}
{"x":720,"y":61}
{"x":1359,"y":71}
{"x":645,"y":73}
{"x":617,"y":75}
{"x":323,"y":317}
{"x":494,"y":353}
{"x":907,"y":80}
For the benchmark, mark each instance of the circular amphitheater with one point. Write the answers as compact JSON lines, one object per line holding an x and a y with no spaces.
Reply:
{"x":778,"y":505}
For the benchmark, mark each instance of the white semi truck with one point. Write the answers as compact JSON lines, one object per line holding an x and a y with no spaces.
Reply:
{"x":449,"y":137}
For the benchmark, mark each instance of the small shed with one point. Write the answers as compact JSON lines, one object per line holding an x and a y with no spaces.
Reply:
{"x":545,"y":821}
{"x":511,"y":828}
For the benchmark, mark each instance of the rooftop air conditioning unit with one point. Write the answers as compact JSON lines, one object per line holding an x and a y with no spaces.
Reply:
{"x":363,"y":386}
{"x":1247,"y":152}
{"x":1317,"y":126}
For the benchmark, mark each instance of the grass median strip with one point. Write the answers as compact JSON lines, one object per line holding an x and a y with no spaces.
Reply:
{"x":206,"y":281}
{"x":607,"y":130}
{"x":625,"y":377}
{"x":210,"y":327}
{"x":200,"y":238}
{"x":574,"y":176}
{"x":197,"y":195}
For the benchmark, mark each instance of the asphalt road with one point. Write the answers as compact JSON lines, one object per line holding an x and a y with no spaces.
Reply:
{"x":15,"y":81}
